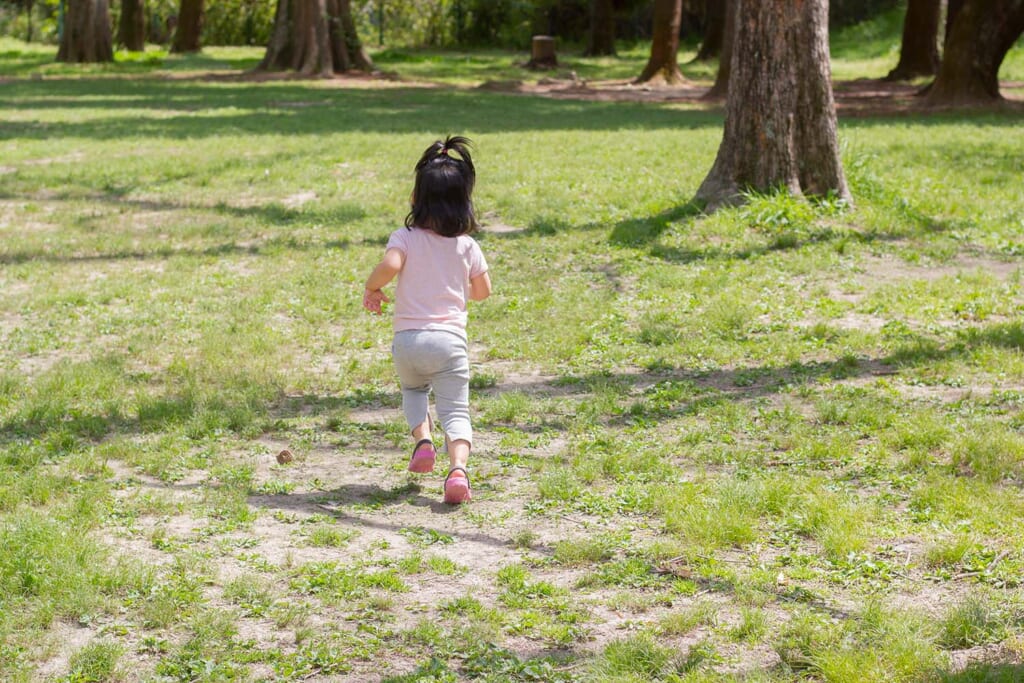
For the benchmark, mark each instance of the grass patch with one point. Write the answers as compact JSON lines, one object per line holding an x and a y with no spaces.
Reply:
{"x":729,"y":430}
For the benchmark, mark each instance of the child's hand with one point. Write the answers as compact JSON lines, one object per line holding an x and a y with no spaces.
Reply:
{"x":373,"y":299}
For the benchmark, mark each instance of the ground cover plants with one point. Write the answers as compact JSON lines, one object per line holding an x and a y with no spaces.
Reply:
{"x":782,"y":442}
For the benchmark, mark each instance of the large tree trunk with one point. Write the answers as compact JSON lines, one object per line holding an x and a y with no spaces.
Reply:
{"x":919,"y":53}
{"x":315,"y":37}
{"x":982,"y":33}
{"x":953,"y":8}
{"x":780,"y":118}
{"x":663,"y":66}
{"x":131,"y":31}
{"x":714,"y":31}
{"x":190,"y":27}
{"x":721,"y":87}
{"x":602,"y":29}
{"x":87,"y":36}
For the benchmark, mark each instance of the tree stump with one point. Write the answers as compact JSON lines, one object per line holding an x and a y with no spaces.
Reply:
{"x":542,"y":53}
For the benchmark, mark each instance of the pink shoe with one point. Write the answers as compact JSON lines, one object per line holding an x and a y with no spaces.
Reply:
{"x":456,"y":488}
{"x":423,"y":456}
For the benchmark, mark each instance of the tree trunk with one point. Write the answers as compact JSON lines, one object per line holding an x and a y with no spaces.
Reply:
{"x":721,"y":87}
{"x":953,"y":8}
{"x":315,"y":37}
{"x":919,"y":53}
{"x":87,"y":36}
{"x":602,"y":29}
{"x":780,"y":118}
{"x":714,"y":31}
{"x":190,"y":26}
{"x":981,"y":35}
{"x":28,"y":17}
{"x":663,"y":66}
{"x":131,"y":31}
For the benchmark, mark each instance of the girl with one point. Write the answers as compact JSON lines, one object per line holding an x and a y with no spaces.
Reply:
{"x":439,"y":267}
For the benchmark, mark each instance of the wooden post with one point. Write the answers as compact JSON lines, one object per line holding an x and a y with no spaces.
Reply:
{"x":542,"y":53}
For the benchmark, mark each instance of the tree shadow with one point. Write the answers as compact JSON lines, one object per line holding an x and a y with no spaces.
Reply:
{"x":749,"y":383}
{"x":272,"y":214}
{"x":269,"y":108}
{"x":641,"y":231}
{"x":744,"y":383}
{"x":984,"y":672}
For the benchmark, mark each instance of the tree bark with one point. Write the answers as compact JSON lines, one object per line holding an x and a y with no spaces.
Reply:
{"x":713,"y":44}
{"x":602,"y":29}
{"x":721,"y":87}
{"x":315,"y":38}
{"x":87,"y":36}
{"x":981,"y":35}
{"x":919,"y":52}
{"x":131,"y":31}
{"x":953,"y":8}
{"x":190,"y":27}
{"x":663,"y":66}
{"x":780,"y":118}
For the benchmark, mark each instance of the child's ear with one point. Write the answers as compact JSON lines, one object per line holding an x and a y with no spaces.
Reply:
{"x":412,"y":198}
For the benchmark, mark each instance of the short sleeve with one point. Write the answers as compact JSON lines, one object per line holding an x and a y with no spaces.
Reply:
{"x":399,"y":240}
{"x":477,"y":262}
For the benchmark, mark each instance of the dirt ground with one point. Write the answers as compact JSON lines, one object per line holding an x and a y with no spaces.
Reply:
{"x":861,"y":97}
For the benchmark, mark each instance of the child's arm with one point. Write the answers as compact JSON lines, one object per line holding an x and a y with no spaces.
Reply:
{"x":480,"y":287}
{"x":384,"y":273}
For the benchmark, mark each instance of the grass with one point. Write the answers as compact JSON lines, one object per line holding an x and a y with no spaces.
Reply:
{"x":783,"y":440}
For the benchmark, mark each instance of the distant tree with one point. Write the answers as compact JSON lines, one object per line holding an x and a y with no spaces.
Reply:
{"x":87,"y":36}
{"x":602,"y":29}
{"x":721,"y":86}
{"x":780,"y":118}
{"x":983,"y":31}
{"x":663,"y":65}
{"x":919,"y":52}
{"x":315,"y":37}
{"x":190,"y":27}
{"x":131,"y":30}
{"x":28,"y":20}
{"x":714,"y":31}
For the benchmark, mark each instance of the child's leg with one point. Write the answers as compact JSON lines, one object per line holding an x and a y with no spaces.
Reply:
{"x":415,"y":385}
{"x":451,"y":391}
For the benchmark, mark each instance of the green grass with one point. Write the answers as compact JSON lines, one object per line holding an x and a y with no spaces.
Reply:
{"x":702,"y":439}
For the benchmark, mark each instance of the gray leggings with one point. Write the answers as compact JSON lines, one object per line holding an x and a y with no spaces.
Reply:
{"x":435,"y":359}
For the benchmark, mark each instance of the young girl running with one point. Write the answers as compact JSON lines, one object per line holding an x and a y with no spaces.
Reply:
{"x":439,"y":267}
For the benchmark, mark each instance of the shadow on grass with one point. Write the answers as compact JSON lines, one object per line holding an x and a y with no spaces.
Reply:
{"x":644,"y":232}
{"x":54,"y":417}
{"x":200,"y":110}
{"x":271,"y":246}
{"x":986,"y":673}
{"x":750,"y":383}
{"x":372,"y":497}
{"x":268,"y":215}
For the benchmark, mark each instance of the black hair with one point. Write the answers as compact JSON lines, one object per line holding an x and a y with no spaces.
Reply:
{"x":442,"y":198}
